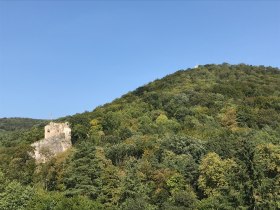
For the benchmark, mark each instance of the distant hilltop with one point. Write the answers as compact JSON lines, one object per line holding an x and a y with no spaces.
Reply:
{"x":17,"y":123}
{"x":57,"y":140}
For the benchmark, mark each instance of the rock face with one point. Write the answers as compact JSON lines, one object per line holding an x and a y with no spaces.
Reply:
{"x":57,"y":139}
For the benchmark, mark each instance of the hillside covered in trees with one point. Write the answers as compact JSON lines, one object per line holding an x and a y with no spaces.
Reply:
{"x":203,"y":138}
{"x":16,"y":123}
{"x":12,"y":129}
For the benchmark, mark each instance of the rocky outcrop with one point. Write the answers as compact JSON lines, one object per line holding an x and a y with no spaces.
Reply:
{"x":57,"y":139}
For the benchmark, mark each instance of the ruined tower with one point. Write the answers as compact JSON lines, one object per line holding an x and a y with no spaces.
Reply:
{"x":57,"y":129}
{"x":57,"y":139}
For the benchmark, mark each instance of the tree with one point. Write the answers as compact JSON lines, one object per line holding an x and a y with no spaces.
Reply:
{"x":44,"y":200}
{"x":96,"y":131}
{"x":15,"y":196}
{"x":214,"y":174}
{"x":182,"y":195}
{"x":166,"y":125}
{"x":267,"y":159}
{"x":185,"y":145}
{"x":184,"y":164}
{"x":82,"y":177}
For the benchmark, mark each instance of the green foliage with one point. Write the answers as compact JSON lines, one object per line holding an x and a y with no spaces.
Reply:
{"x":17,"y":164}
{"x":13,"y":195}
{"x":267,"y":159}
{"x":43,"y":200}
{"x":12,"y":124}
{"x":214,"y":174}
{"x":185,"y":145}
{"x":204,"y":138}
{"x":81,"y":176}
{"x":136,"y":204}
{"x":184,"y":164}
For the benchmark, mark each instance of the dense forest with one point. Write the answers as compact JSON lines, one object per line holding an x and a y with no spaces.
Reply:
{"x":13,"y":129}
{"x":203,"y":138}
{"x":16,"y":123}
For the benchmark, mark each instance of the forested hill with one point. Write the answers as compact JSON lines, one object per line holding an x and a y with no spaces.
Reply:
{"x":203,"y":138}
{"x":16,"y":123}
{"x":204,"y":102}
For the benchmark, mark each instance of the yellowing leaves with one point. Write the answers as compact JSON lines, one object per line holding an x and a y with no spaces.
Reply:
{"x":214,"y":173}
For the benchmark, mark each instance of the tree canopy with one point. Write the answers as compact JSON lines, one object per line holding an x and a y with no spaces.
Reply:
{"x":203,"y":138}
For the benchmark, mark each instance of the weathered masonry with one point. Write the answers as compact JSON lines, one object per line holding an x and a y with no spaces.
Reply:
{"x":57,"y":139}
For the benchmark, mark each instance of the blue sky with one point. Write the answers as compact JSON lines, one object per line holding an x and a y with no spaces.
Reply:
{"x":62,"y":57}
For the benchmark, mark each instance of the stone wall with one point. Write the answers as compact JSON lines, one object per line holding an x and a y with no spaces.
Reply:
{"x":55,"y":129}
{"x":57,"y":139}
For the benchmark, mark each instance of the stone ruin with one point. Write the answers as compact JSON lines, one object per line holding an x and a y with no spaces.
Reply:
{"x":57,"y":140}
